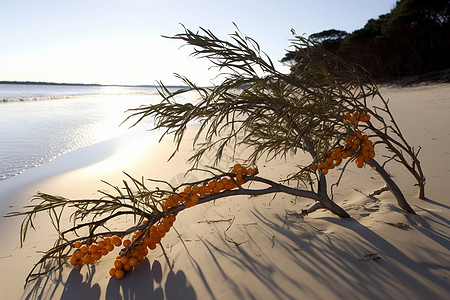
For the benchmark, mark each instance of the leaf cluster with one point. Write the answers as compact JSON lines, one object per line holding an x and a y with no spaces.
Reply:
{"x":256,"y":106}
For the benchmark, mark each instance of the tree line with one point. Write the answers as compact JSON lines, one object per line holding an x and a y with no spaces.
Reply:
{"x":413,"y":39}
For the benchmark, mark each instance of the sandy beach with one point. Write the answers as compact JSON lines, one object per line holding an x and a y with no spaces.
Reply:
{"x":251,"y":247}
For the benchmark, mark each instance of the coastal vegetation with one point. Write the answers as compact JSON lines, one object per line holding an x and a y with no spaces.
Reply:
{"x":326,"y":109}
{"x":410,"y":40}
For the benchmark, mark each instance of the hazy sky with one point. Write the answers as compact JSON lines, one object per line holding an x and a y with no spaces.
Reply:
{"x":119,"y":42}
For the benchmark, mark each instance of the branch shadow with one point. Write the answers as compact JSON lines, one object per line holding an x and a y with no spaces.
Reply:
{"x":75,"y":287}
{"x":323,"y":257}
{"x":146,"y":282}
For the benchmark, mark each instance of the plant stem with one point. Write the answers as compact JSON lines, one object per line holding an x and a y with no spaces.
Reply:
{"x":401,"y":201}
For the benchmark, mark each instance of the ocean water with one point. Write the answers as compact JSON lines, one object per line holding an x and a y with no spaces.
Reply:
{"x":40,"y":122}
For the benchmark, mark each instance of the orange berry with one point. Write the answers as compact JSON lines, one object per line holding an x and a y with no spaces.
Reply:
{"x":162,"y":233}
{"x":225,"y":181}
{"x":84,"y":249}
{"x":133,"y":262}
{"x":172,"y":218}
{"x":240,"y":170}
{"x":359,"y":135}
{"x":119,"y":274}
{"x":239,"y":176}
{"x":116,"y":241}
{"x":118,"y":264}
{"x":109,"y":247}
{"x":101,"y":244}
{"x":219,"y":186}
{"x":88,"y":259}
{"x":94,"y":248}
{"x":144,"y":251}
{"x":236,"y":166}
{"x":166,"y":205}
{"x":78,"y":254}
{"x":112,"y":272}
{"x":77,"y":244}
{"x":152,"y":246}
{"x":127,"y":267}
{"x":195,"y":198}
{"x":104,"y":251}
{"x":195,"y":189}
{"x":97,"y":255}
{"x":126,"y":243}
{"x":124,"y":259}
{"x":325,"y":171}
{"x":147,"y":240}
{"x":140,"y":257}
{"x":208,"y":190}
{"x":73,"y":261}
{"x":212,"y":184}
{"x":250,"y":172}
{"x":364,"y":118}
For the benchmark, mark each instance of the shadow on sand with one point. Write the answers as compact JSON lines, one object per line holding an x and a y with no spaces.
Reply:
{"x":334,"y":261}
{"x":322,"y":257}
{"x":144,"y":282}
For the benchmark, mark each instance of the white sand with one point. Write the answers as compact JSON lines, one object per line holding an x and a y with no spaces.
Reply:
{"x":263,"y":254}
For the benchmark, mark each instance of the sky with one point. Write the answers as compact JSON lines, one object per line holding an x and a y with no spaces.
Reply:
{"x":120,"y":42}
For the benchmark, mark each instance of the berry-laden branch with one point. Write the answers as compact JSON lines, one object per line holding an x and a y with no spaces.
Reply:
{"x":86,"y":242}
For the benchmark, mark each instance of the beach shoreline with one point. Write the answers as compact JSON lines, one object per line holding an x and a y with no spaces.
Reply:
{"x":271,"y":254}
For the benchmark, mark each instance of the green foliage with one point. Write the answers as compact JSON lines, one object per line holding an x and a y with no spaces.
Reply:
{"x":412,"y":39}
{"x":256,"y":106}
{"x":275,"y":114}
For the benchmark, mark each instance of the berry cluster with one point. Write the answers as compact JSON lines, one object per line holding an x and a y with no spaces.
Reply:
{"x":356,"y":144}
{"x":140,"y":243}
{"x":137,"y":254}
{"x":191,"y":194}
{"x":89,"y":254}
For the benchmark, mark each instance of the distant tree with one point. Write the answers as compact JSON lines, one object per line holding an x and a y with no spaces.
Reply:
{"x":420,"y":31}
{"x":329,"y":39}
{"x":412,"y":39}
{"x":331,"y":34}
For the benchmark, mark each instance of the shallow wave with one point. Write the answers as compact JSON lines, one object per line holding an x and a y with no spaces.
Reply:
{"x":42,"y":98}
